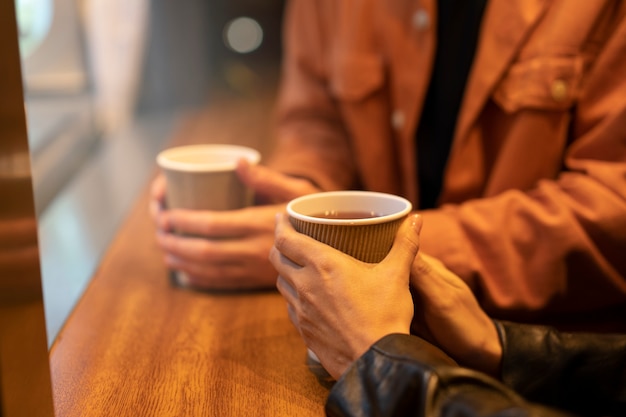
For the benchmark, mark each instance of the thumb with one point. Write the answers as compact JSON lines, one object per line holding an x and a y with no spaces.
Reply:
{"x":270,"y":184}
{"x":406,"y":244}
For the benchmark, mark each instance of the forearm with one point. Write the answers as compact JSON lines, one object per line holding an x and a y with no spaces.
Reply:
{"x":585,"y":373}
{"x":403,"y":376}
{"x":529,"y":252}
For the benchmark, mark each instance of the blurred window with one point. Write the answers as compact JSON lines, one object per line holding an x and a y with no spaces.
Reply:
{"x":57,"y":92}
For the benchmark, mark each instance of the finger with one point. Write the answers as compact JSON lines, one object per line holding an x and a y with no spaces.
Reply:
{"x":220,"y":251}
{"x":298,"y":247}
{"x":293,"y":317}
{"x":434,"y":281}
{"x":219,"y":224}
{"x":222,"y":276}
{"x":157,"y":196}
{"x":281,"y":263}
{"x":287,"y":291}
{"x":291,"y":297}
{"x":272,"y":184}
{"x":157,"y":188}
{"x":406,"y":243}
{"x":154,"y":208}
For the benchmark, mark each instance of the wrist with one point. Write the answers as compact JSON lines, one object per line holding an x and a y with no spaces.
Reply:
{"x":487,"y":355}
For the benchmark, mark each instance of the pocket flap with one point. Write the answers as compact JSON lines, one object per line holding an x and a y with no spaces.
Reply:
{"x":354,"y":76}
{"x":541,"y":83}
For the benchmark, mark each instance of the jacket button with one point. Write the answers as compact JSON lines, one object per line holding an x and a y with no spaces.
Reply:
{"x":421,"y":20}
{"x":397,"y":119}
{"x":559,"y":90}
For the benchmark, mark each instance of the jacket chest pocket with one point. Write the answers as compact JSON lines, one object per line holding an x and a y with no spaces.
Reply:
{"x":355,"y":77}
{"x":542,"y":83}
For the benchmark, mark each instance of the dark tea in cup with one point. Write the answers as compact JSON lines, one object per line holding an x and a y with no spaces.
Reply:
{"x":335,"y":214}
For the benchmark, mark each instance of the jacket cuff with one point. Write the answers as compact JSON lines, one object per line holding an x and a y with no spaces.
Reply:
{"x":392,"y":375}
{"x":404,"y":375}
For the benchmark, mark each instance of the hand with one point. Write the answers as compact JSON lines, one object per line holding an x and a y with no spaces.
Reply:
{"x":272,"y":186}
{"x":156,"y":204}
{"x":342,"y":306}
{"x":227,"y":249}
{"x":448,"y":315}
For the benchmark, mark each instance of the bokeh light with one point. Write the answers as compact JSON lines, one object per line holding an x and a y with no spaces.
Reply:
{"x":243,"y":35}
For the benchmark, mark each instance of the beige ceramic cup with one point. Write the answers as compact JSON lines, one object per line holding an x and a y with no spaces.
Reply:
{"x":203,"y":177}
{"x":362,"y":224}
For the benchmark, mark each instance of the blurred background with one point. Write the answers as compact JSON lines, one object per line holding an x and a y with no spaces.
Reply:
{"x":107,"y":84}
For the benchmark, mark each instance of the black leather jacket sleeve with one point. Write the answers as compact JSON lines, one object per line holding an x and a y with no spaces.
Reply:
{"x":581,"y":372}
{"x":404,"y":375}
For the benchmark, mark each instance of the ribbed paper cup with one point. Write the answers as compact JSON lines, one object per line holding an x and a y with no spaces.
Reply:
{"x":366,"y":239}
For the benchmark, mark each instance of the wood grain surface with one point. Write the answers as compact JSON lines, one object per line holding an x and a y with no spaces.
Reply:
{"x":135,"y":345}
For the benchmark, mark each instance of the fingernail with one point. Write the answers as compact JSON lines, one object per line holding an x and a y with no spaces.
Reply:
{"x":417,"y":222}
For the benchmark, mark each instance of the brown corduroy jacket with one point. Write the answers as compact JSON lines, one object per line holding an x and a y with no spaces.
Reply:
{"x":532,"y":212}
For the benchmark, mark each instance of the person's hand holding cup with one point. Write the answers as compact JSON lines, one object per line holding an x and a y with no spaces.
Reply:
{"x":343,"y":286}
{"x":203,"y":177}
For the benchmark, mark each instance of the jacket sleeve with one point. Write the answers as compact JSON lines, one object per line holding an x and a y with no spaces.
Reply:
{"x":536,"y":251}
{"x":312,"y":141}
{"x":404,"y":375}
{"x":585,"y":373}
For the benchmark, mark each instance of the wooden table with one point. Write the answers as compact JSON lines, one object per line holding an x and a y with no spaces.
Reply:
{"x":137,"y":346}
